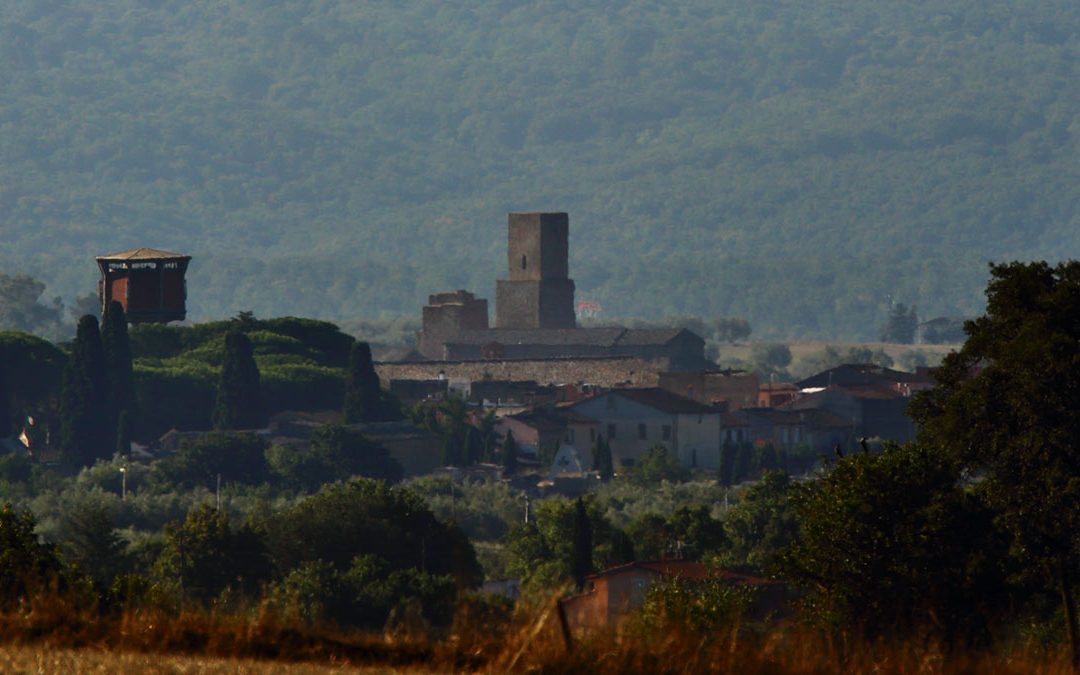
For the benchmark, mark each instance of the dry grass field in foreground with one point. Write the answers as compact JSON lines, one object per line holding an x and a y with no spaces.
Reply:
{"x":53,"y":637}
{"x":42,"y":659}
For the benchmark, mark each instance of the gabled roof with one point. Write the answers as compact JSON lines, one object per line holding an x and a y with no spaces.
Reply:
{"x":856,"y":374}
{"x":652,"y":336}
{"x":597,"y":337}
{"x":143,"y":254}
{"x":664,"y":401}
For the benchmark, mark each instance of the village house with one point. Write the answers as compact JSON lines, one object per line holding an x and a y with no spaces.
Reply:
{"x":633,"y":421}
{"x":610,"y":595}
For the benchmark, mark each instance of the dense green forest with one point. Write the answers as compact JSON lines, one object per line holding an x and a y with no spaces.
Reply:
{"x":800,"y":164}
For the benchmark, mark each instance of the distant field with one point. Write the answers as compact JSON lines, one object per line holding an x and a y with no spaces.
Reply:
{"x":42,"y":659}
{"x":802,"y":349}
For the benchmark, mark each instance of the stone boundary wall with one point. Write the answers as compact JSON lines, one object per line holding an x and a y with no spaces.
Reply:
{"x":604,"y":372}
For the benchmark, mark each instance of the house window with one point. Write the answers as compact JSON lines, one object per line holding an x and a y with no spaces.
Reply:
{"x":642,"y":432}
{"x":739,"y":435}
{"x":610,"y":431}
{"x":592,"y":434}
{"x":666,"y":432}
{"x":727,"y":434}
{"x":569,"y":435}
{"x":524,"y":264}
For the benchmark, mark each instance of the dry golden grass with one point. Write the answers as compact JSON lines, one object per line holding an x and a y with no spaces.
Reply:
{"x":42,"y":659}
{"x":52,"y":637}
{"x":803,"y":349}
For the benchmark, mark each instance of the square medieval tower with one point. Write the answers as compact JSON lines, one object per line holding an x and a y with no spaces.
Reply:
{"x":539,"y":292}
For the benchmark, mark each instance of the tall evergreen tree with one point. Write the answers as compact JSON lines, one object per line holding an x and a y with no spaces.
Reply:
{"x":602,"y":462}
{"x":123,"y":436}
{"x":118,"y":370}
{"x":363,"y":395}
{"x":239,"y":403}
{"x":5,"y":405}
{"x":85,"y":429}
{"x":453,"y":452}
{"x":509,"y":454}
{"x":582,"y":540}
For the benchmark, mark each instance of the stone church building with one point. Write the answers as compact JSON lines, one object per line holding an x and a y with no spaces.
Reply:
{"x":534,"y":312}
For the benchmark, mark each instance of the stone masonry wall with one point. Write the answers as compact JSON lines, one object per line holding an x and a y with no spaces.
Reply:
{"x":604,"y":372}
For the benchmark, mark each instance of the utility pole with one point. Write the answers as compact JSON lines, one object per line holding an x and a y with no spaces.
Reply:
{"x":123,"y":483}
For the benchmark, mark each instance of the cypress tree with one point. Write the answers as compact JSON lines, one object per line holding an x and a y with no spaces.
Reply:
{"x":363,"y":399}
{"x":123,"y":437}
{"x":5,"y":405}
{"x":239,"y":395}
{"x":602,"y":462}
{"x":118,"y":369}
{"x":727,"y":462}
{"x":453,"y":454}
{"x":474,"y":445}
{"x":509,"y":454}
{"x":581,"y":553}
{"x":85,"y":430}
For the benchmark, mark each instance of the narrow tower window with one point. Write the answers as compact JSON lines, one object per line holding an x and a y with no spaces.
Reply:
{"x":523,"y":264}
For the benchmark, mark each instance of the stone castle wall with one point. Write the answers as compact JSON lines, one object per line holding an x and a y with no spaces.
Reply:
{"x":604,"y":372}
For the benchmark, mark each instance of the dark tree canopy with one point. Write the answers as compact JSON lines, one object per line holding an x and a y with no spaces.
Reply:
{"x":86,"y":430}
{"x":901,"y":325}
{"x":363,"y":395}
{"x":239,"y":402}
{"x":602,"y":461}
{"x":1005,"y":408}
{"x":891,"y":544}
{"x":509,"y":454}
{"x":118,"y":366}
{"x":581,"y":563}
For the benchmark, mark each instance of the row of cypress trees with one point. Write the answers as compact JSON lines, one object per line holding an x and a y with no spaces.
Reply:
{"x":96,"y":393}
{"x":239,"y":403}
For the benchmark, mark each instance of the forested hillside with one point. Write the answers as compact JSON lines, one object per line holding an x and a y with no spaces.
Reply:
{"x":799,"y":163}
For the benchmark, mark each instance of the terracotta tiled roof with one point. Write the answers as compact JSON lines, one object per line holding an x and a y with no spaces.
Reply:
{"x":142,"y":254}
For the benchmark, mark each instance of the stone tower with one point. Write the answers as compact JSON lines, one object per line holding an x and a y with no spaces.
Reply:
{"x":539,"y":292}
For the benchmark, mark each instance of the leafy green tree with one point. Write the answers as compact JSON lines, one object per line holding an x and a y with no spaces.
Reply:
{"x":236,"y":457}
{"x":901,"y":325}
{"x":732,"y":329}
{"x":34,"y":370}
{"x":892,"y":545}
{"x":363,"y":395}
{"x":89,"y":539}
{"x":116,"y":349}
{"x":656,"y":466}
{"x":689,"y":532}
{"x":509,"y":454}
{"x":368,"y":517}
{"x":21,"y":308}
{"x":602,"y":461}
{"x":204,"y":555}
{"x":770,"y":359}
{"x":335,"y":453}
{"x":1004,"y":409}
{"x":26,"y":565}
{"x":239,"y":402}
{"x":85,"y":431}
{"x":761,"y":525}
